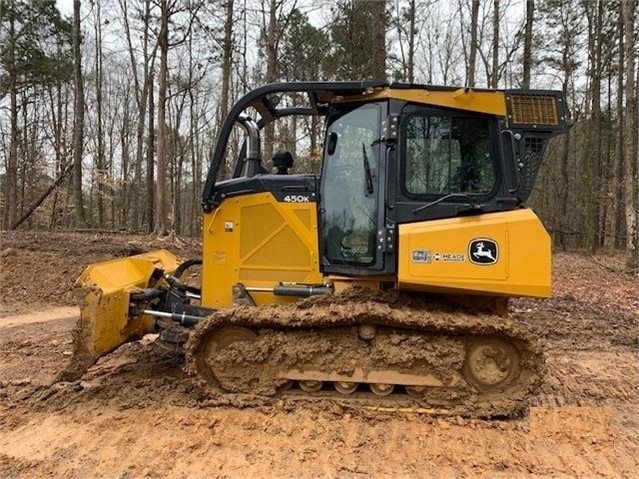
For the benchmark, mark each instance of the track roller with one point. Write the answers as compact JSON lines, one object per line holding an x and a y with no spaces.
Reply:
{"x":345,"y":387}
{"x":311,"y":386}
{"x":380,"y":389}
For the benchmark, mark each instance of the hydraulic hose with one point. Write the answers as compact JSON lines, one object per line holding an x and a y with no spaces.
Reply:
{"x":179,"y":271}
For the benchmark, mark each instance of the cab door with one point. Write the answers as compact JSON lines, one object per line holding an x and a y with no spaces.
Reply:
{"x":351,"y":219}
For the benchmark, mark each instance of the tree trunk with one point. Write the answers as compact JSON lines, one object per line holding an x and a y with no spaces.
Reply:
{"x":78,"y":124}
{"x":470,"y":74}
{"x":194,"y":146}
{"x":597,"y":153}
{"x":606,"y":180}
{"x":411,"y":42}
{"x":28,"y":156}
{"x":124,"y":145}
{"x":379,"y":41}
{"x":271,"y":70}
{"x":60,"y":157}
{"x":150,"y":154}
{"x":528,"y":32}
{"x":100,"y":173}
{"x":177,"y":165}
{"x":316,"y":153}
{"x":630,"y":146}
{"x":564,"y":161}
{"x":593,"y":158}
{"x":632,"y":258}
{"x":12,"y":160}
{"x":495,"y":66}
{"x":227,"y":65}
{"x":142,"y":99}
{"x":619,"y":213}
{"x":160,"y":196}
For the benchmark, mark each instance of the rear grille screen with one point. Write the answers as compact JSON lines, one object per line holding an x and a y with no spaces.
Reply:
{"x":534,"y":110}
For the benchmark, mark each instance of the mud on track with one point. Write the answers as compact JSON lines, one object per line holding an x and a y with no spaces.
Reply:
{"x":134,"y":414}
{"x":430,"y":341}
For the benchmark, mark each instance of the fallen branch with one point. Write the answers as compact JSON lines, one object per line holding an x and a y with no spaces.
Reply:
{"x":43,"y":197}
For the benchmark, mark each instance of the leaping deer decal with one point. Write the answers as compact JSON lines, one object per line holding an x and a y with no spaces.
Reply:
{"x":480,"y":252}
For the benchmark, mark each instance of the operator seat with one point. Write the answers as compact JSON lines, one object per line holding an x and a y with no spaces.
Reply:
{"x":282,"y":161}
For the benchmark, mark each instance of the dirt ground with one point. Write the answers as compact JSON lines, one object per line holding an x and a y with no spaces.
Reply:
{"x":135,"y":414}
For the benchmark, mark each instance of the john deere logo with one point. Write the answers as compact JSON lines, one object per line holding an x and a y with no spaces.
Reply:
{"x":483,"y":251}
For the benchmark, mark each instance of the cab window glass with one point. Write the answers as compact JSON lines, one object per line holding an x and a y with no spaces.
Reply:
{"x":349,"y":199}
{"x":448,"y":155}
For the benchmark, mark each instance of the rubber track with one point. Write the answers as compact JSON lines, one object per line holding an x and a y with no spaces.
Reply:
{"x":398,"y":310}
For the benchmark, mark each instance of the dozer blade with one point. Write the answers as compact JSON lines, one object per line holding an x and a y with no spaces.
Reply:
{"x":103,"y":293}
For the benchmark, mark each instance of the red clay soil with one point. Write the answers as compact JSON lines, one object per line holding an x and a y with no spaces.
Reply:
{"x":40,"y":268}
{"x":136,"y":414}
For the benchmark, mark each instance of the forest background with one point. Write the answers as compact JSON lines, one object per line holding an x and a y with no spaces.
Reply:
{"x":109,"y":109}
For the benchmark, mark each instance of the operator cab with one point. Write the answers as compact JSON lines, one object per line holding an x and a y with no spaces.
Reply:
{"x":394,"y":155}
{"x":394,"y":162}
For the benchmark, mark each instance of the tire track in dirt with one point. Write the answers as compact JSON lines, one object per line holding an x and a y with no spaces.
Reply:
{"x":305,"y":442}
{"x":135,"y":415}
{"x":51,"y":314}
{"x":132,"y":415}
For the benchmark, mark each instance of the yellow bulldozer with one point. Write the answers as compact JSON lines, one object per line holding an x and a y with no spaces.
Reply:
{"x":385,"y":277}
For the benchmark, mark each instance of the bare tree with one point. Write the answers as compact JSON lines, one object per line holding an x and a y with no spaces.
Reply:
{"x":528,"y":33}
{"x":594,"y":13}
{"x":404,"y":23}
{"x":12,"y":160}
{"x":124,"y":133}
{"x":618,"y":195}
{"x":470,"y":74}
{"x":142,"y":90}
{"x":150,"y":155}
{"x":100,"y":174}
{"x":494,"y":76}
{"x":167,"y":10}
{"x":227,"y":65}
{"x":630,"y":146}
{"x":78,"y":124}
{"x":160,"y":189}
{"x":379,"y":41}
{"x":276,"y":15}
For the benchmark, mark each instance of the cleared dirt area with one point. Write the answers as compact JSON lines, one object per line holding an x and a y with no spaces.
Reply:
{"x":135,"y":414}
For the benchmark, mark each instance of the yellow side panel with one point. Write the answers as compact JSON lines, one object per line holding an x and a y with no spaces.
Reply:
{"x":491,"y":102}
{"x":498,"y":253}
{"x":259,"y":242}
